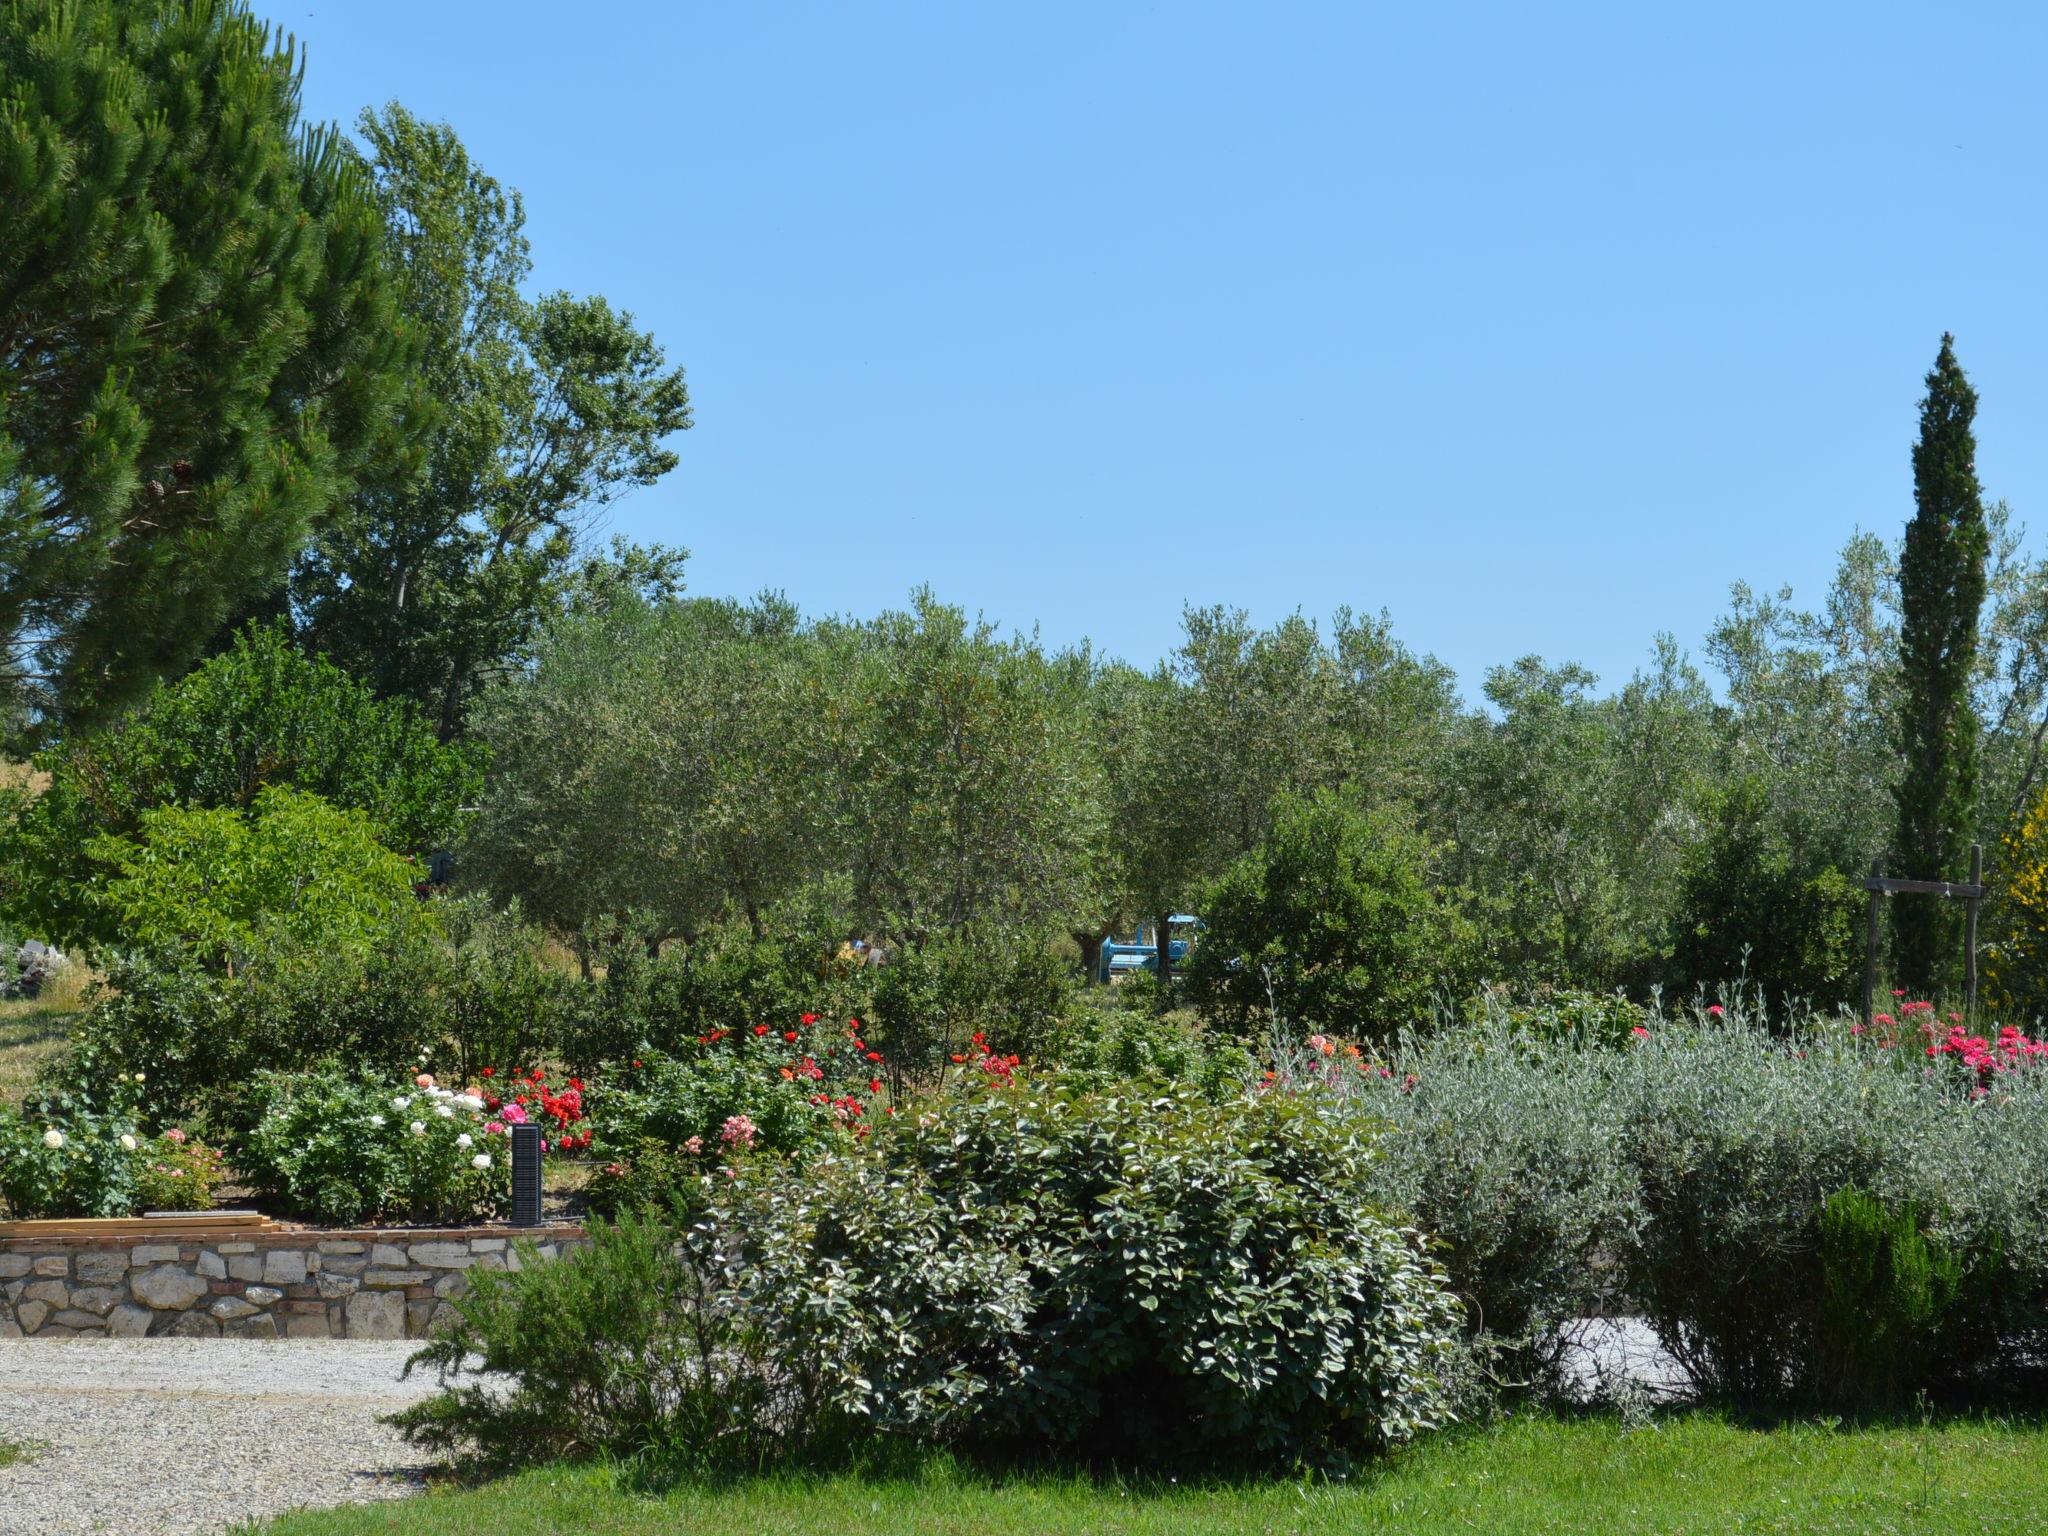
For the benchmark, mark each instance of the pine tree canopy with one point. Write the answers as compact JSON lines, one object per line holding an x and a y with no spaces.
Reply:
{"x":198,"y":347}
{"x":1941,"y":588}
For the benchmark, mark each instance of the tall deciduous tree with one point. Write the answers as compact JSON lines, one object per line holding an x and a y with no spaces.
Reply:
{"x":1941,"y":585}
{"x":440,"y":574}
{"x":198,"y":349}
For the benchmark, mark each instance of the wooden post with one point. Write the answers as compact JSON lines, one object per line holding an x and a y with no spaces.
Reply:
{"x":1970,"y":940}
{"x":1870,"y":943}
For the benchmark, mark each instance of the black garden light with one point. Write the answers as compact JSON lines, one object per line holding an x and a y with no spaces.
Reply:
{"x":526,"y":1175}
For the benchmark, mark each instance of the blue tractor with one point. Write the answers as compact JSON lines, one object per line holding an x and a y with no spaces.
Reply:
{"x":1140,"y":952}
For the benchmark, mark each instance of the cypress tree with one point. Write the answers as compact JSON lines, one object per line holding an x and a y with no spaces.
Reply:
{"x":198,"y":347}
{"x":1941,"y":587}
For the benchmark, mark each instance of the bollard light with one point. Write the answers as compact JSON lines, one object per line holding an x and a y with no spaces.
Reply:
{"x":525,"y":1175}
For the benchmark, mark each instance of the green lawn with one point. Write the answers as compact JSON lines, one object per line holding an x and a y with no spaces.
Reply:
{"x":1692,"y":1474}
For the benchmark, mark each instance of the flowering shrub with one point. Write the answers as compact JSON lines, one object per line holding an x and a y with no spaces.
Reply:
{"x":81,"y":1151}
{"x":517,"y":1098}
{"x":664,"y":1121}
{"x":344,"y":1149}
{"x":177,"y":1172}
{"x":1143,"y":1275}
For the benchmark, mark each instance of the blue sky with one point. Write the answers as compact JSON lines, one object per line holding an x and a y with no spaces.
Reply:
{"x":1536,"y":326}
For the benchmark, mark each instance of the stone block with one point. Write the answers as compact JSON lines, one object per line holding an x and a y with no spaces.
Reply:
{"x":309,"y":1308}
{"x":419,"y":1316}
{"x":96,"y":1299}
{"x":168,"y":1288}
{"x":263,"y":1295}
{"x":211,"y":1265}
{"x":284,"y":1266}
{"x":331,"y":1245}
{"x":14,"y":1265}
{"x":487,"y":1245}
{"x":72,"y":1317}
{"x":100,"y":1268}
{"x":31,"y":1315}
{"x":345,"y":1264}
{"x":235,"y":1247}
{"x":245,"y":1266}
{"x":228,"y":1308}
{"x":375,"y":1315}
{"x":53,"y":1266}
{"x":441,"y":1255}
{"x":385,"y":1256}
{"x":153,"y":1253}
{"x":451,"y":1284}
{"x":491,"y":1260}
{"x":391,"y":1277}
{"x":58,"y":1331}
{"x":9,"y":1328}
{"x":305,"y":1325}
{"x":334,"y":1287}
{"x":193,"y":1325}
{"x":128,"y":1321}
{"x":54,"y":1293}
{"x":261,"y":1326}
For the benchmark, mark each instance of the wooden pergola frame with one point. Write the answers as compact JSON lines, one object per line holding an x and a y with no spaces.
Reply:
{"x":1970,"y":893}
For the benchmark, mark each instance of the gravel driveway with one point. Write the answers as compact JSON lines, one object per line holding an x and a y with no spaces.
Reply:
{"x":179,"y":1437}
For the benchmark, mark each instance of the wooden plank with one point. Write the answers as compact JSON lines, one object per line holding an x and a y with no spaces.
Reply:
{"x":1924,"y":888}
{"x":212,"y":1222}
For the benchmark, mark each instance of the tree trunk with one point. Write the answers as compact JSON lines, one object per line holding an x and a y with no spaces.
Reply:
{"x":1162,"y":942}
{"x":1091,"y":956}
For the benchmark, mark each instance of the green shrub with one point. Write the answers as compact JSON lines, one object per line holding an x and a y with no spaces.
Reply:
{"x":642,"y":1342}
{"x":1333,"y":921}
{"x":1737,"y":1142}
{"x":260,"y":714}
{"x":293,"y":871}
{"x":471,"y":997}
{"x":1143,"y":1276}
{"x":1886,"y":1289}
{"x":725,"y":978}
{"x":343,"y":1149}
{"x":1009,"y":985}
{"x":1508,"y":1149}
{"x":1106,"y":1041}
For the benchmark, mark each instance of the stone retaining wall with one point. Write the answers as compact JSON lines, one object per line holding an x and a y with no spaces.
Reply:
{"x":269,"y":1285}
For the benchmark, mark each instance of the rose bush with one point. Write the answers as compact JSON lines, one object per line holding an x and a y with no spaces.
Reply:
{"x":80,"y":1148}
{"x":345,"y":1149}
{"x":663,"y":1119}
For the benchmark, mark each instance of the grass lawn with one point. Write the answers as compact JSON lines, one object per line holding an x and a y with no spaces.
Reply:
{"x":1690,"y":1474}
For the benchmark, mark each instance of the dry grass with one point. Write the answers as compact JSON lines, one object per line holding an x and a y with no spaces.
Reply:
{"x":33,"y":1029}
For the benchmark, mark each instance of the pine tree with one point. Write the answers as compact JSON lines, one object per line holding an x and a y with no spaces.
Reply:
{"x":1941,"y":581}
{"x":197,"y":343}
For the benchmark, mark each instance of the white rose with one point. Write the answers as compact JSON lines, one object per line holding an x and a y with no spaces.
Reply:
{"x":419,"y":1128}
{"x":465,"y":1140}
{"x":53,"y":1139}
{"x":139,"y":1077}
{"x":444,"y":1111}
{"x":470,"y":1101}
{"x":127,"y":1142}
{"x":376,"y":1122}
{"x":401,"y":1102}
{"x":481,"y":1161}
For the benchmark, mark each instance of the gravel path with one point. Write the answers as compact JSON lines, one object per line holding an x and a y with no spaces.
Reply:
{"x":181,"y":1437}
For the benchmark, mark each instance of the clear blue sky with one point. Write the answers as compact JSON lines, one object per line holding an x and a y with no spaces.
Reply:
{"x":1535,"y":325}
